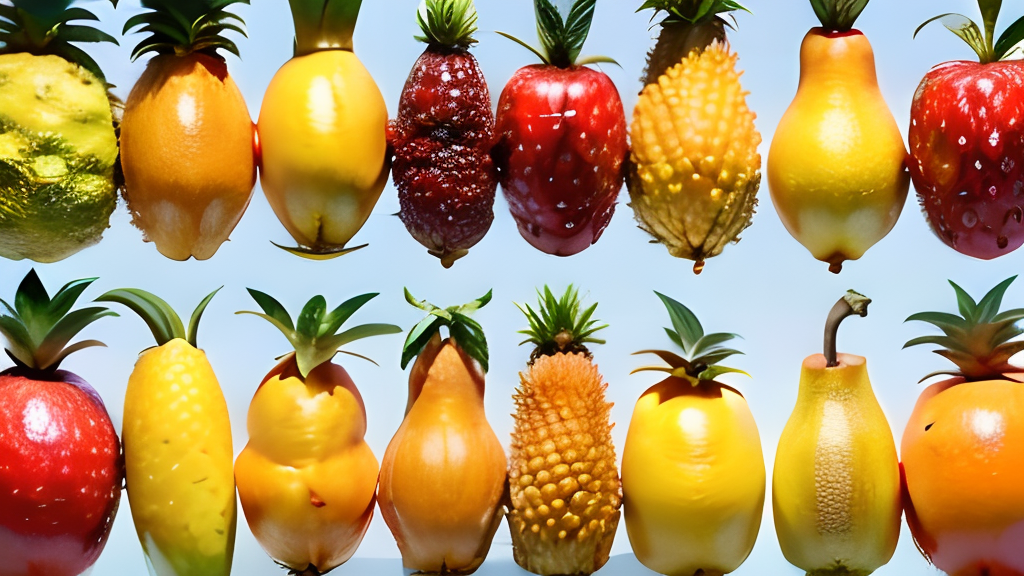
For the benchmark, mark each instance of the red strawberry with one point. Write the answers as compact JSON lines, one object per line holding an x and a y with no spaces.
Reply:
{"x":442,"y":137}
{"x":562,"y":139}
{"x":60,"y":459}
{"x":967,"y":144}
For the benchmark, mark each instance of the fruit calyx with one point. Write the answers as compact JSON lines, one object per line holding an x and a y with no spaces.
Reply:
{"x":978,"y":340}
{"x":692,"y":12}
{"x":41,"y":28}
{"x":561,"y":38}
{"x":162,"y":320}
{"x":851,"y":304}
{"x":447,"y":23}
{"x":559,"y":325}
{"x":466,"y":332}
{"x":324,"y":24}
{"x":702,"y":351}
{"x":984,"y":43}
{"x":315,"y":336}
{"x":838,"y":15}
{"x":38,"y":328}
{"x":181,"y":28}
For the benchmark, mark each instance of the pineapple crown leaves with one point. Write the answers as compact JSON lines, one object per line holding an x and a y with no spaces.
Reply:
{"x":181,"y":27}
{"x":984,"y":44}
{"x":560,"y":324}
{"x":978,"y":341}
{"x":693,"y":12}
{"x":838,"y":15}
{"x":324,"y":24}
{"x":162,"y":320}
{"x":45,"y":27}
{"x":447,"y":23}
{"x":315,"y":335}
{"x":562,"y":38}
{"x":701,"y":352}
{"x":38,"y":328}
{"x":466,"y":332}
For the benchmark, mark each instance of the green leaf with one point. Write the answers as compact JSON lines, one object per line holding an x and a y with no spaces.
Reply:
{"x":1003,"y":353}
{"x":968,"y":307}
{"x":31,"y":301}
{"x":838,"y":15}
{"x":19,"y":343}
{"x":358,"y":333}
{"x":673,"y":360}
{"x":56,"y":362}
{"x":418,"y":338}
{"x":937,"y":340}
{"x":966,"y":29}
{"x":197,"y":315}
{"x":467,"y":332}
{"x":477,"y":304}
{"x":273,"y":308}
{"x":162,"y":320}
{"x":989,"y":15}
{"x":989,"y":305}
{"x":674,"y":337}
{"x":709,"y":341}
{"x":308,"y":323}
{"x":1010,"y":40}
{"x":66,"y":297}
{"x":50,"y":349}
{"x":85,"y":34}
{"x":472,"y":341}
{"x":684,"y":321}
{"x":712,"y":372}
{"x":333,"y":321}
{"x":285,"y":329}
{"x":718,"y":355}
{"x":543,"y":57}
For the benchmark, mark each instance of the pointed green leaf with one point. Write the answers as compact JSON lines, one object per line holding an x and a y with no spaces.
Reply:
{"x":66,"y":297}
{"x":162,"y":320}
{"x":543,"y":57}
{"x":472,"y":342}
{"x":717,"y":355}
{"x":367,"y":358}
{"x":1010,"y":40}
{"x":1014,"y":315}
{"x":937,"y":340}
{"x":674,"y":337}
{"x":333,"y":321}
{"x":285,"y":329}
{"x":273,"y":308}
{"x":31,"y":301}
{"x":989,"y":15}
{"x":968,"y":307}
{"x":69,"y":326}
{"x":966,"y":29}
{"x":673,"y":360}
{"x":712,"y":372}
{"x":56,"y":362}
{"x":1004,"y":352}
{"x":939,"y":373}
{"x":477,"y":304}
{"x":946,"y":322}
{"x":683,"y":320}
{"x":308,"y":323}
{"x":19,"y":343}
{"x":197,"y":315}
{"x":71,"y":33}
{"x":418,"y":338}
{"x":664,"y":369}
{"x":989,"y":305}
{"x":709,"y":341}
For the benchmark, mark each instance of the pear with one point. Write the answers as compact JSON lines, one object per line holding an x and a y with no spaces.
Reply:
{"x":836,"y":485}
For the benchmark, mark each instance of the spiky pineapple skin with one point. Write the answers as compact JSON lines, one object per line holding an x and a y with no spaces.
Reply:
{"x":58,"y":149}
{"x":695,"y":168}
{"x":564,"y":483}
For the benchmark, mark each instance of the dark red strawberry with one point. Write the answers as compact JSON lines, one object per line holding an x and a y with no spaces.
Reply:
{"x":967,"y":142}
{"x":60,"y":459}
{"x":561,"y":138}
{"x":443,"y":135}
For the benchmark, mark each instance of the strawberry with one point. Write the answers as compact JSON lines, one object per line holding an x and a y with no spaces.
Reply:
{"x":967,"y":141}
{"x":561,"y":138}
{"x":442,"y":137}
{"x":60,"y":459}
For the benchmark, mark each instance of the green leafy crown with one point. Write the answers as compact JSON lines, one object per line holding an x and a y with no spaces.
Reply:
{"x":162,"y":320}
{"x":45,"y":27}
{"x":184,"y":26}
{"x":448,"y":23}
{"x":324,"y":24}
{"x":38,"y":328}
{"x":559,"y":324}
{"x":315,"y":336}
{"x":692,"y":12}
{"x":466,"y":332}
{"x":978,"y":341}
{"x":838,"y":15}
{"x":701,"y":352}
{"x":561,"y":38}
{"x":984,"y":44}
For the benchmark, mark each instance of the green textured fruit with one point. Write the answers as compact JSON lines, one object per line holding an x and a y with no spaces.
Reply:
{"x":58,"y":149}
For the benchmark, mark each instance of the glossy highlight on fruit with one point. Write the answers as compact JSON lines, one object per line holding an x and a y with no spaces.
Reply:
{"x":443,"y":477}
{"x":963,"y":448}
{"x":60,"y":459}
{"x":307,"y":478}
{"x":693,"y":474}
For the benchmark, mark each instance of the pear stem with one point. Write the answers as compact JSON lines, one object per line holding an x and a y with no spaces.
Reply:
{"x":851,"y":304}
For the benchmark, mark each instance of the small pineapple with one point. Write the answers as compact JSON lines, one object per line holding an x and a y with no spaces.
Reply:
{"x":694,"y":169}
{"x":563,"y":479}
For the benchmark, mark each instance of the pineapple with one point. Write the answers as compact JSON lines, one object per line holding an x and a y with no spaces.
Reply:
{"x":563,"y":479}
{"x":694,"y":169}
{"x":58,"y":145}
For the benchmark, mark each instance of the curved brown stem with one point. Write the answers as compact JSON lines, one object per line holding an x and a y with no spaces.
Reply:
{"x":850,"y":304}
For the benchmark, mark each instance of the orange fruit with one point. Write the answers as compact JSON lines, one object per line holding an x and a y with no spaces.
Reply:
{"x":188,"y":153}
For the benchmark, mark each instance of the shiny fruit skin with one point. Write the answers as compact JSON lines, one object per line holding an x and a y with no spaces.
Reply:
{"x":322,"y":132}
{"x":307,"y":478}
{"x":967,"y":155}
{"x":178,"y":462}
{"x":442,"y":140}
{"x":836,"y":168}
{"x":560,"y":153}
{"x":443,"y":475}
{"x":963,"y":466}
{"x":693,"y":479}
{"x":836,"y":482}
{"x":187,"y":150}
{"x":60,"y":474}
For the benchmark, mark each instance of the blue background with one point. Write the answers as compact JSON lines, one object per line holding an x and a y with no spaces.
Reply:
{"x":767,"y":287}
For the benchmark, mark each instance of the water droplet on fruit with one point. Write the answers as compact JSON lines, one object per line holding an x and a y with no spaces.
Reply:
{"x":1017,"y":213}
{"x":455,"y":93}
{"x":561,"y":205}
{"x":1007,"y":165}
{"x":977,"y":164}
{"x":446,"y":77}
{"x":569,"y":225}
{"x":993,"y":191}
{"x":962,"y":140}
{"x":993,"y":138}
{"x":970,"y":218}
{"x":1001,"y":242}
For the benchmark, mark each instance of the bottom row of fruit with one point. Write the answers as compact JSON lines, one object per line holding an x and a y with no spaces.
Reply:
{"x":692,"y":479}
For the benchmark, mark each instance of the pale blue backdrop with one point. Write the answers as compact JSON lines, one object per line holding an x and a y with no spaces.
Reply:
{"x":767,"y":287}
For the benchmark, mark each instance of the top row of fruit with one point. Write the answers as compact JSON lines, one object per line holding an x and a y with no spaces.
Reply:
{"x":185,"y":153}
